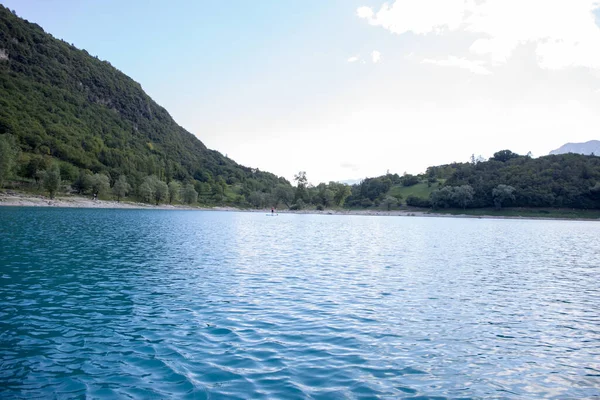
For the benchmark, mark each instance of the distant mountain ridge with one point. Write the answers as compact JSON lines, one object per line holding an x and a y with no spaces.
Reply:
{"x":351,"y":182}
{"x":587,"y":148}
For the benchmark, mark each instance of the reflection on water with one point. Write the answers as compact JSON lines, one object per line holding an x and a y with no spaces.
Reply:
{"x":140,"y":303}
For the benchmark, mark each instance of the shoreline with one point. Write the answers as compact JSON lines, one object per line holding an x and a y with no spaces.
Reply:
{"x":16,"y":199}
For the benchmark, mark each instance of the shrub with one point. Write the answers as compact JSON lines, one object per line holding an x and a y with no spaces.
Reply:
{"x":415,"y":201}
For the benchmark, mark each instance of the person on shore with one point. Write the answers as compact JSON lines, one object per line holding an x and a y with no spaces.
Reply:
{"x":95,"y":196}
{"x":272,"y":210}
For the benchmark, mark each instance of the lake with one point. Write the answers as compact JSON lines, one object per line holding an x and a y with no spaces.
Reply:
{"x":199,"y":304}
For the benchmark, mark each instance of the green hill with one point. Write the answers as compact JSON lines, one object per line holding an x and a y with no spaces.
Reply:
{"x":60,"y":104}
{"x":421,"y":189}
{"x":566,"y":180}
{"x":505,"y":180}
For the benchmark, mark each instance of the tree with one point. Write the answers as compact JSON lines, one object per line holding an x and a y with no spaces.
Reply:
{"x":51,"y":179}
{"x":36,"y":163}
{"x":389,"y":202}
{"x":189,"y":194}
{"x":371,"y":189}
{"x":161,"y":191}
{"x":39,"y":177}
{"x":270,"y":200}
{"x":322,"y":195}
{"x":121,"y":188}
{"x":216,"y":193}
{"x":410,"y":180}
{"x":501,"y":194}
{"x":256,"y":199}
{"x":83,"y":182}
{"x":366,"y":203}
{"x":327,"y":196}
{"x":504,"y":155}
{"x":146,"y":192}
{"x":8,"y":156}
{"x":218,"y":189}
{"x":462,"y":196}
{"x":284,"y":194}
{"x":452,"y":196}
{"x":68,"y":172}
{"x":203,"y":189}
{"x":300,"y":178}
{"x":341,"y":193}
{"x":174,"y":191}
{"x":298,"y":205}
{"x":301,"y":183}
{"x":415,"y":201}
{"x":441,"y":198}
{"x":99,"y":184}
{"x":153,"y":189}
{"x":221,"y":182}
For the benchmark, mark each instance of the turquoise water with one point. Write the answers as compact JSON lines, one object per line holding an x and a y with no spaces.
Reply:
{"x":186,"y":304}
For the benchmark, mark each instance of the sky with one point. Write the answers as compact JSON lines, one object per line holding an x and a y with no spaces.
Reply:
{"x":348,"y":89}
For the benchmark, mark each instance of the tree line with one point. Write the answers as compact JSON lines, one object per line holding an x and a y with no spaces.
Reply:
{"x":510,"y":179}
{"x":51,"y":176}
{"x":507,"y":179}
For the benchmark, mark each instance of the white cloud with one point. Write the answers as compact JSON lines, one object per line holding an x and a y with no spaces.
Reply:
{"x":364,"y":12}
{"x":564,"y":32}
{"x":418,"y":16}
{"x":376,"y":56}
{"x":474,"y":66}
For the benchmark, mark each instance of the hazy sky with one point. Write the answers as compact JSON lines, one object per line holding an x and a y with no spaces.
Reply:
{"x":347,"y":89}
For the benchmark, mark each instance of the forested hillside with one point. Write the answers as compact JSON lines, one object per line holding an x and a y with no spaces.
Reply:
{"x":505,"y":180}
{"x":566,"y":180}
{"x":59,"y":106}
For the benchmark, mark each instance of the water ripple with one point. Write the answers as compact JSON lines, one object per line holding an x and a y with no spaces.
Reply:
{"x":162,"y":304}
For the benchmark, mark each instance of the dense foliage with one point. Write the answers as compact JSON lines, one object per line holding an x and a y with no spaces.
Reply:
{"x":505,"y":180}
{"x":380,"y":191}
{"x":62,"y":106}
{"x":566,"y":180}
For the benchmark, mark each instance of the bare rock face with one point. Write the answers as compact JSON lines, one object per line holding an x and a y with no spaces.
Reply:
{"x":587,"y":148}
{"x":3,"y":55}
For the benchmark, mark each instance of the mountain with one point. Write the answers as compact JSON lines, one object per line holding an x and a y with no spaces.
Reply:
{"x":587,"y":148}
{"x":64,"y":105}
